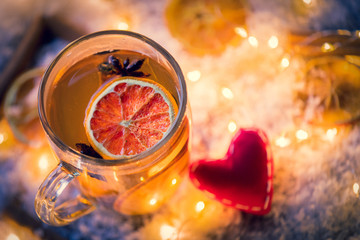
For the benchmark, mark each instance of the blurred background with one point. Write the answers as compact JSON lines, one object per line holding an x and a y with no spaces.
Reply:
{"x":247,"y":63}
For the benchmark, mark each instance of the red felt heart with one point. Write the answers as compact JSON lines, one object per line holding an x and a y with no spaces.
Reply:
{"x":243,"y":178}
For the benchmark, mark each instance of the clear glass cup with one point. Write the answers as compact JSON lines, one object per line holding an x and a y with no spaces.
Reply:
{"x":136,"y":185}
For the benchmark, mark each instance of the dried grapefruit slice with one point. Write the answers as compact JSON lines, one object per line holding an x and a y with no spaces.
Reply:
{"x":127,"y":116}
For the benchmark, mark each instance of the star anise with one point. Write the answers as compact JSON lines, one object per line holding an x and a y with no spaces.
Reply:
{"x":87,"y":150}
{"x":113,"y":66}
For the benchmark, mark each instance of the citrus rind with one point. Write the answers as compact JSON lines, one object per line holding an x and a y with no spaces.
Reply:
{"x":132,"y":129}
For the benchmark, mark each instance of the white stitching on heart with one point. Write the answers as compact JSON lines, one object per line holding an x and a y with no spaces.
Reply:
{"x":232,"y":149}
{"x":256,"y":209}
{"x":209,"y":194}
{"x":268,"y":188}
{"x":227,"y":201}
{"x":269,"y":169}
{"x":243,"y":207}
{"x":194,"y":166}
{"x":196,"y":182}
{"x":266,"y":201}
{"x":269,"y":173}
{"x":262,"y":136}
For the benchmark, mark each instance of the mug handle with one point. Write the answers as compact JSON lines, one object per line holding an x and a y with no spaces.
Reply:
{"x":51,"y":189}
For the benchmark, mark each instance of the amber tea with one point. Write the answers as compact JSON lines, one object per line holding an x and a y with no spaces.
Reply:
{"x":114,"y":107}
{"x":137,"y":105}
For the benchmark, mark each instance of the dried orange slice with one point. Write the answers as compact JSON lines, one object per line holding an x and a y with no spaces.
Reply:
{"x":206,"y":26}
{"x":127,"y":116}
{"x":331,"y":90}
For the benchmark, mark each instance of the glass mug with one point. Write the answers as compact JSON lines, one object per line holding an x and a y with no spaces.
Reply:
{"x":133,"y":185}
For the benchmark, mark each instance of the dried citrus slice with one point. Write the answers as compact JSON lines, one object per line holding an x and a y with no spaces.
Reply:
{"x":206,"y":26}
{"x":20,"y":108}
{"x":331,"y":91}
{"x":127,"y":116}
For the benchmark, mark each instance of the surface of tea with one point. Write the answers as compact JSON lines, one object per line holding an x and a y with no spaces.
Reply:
{"x":72,"y":93}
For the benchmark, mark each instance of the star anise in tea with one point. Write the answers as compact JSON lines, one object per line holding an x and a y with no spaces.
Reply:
{"x":87,"y":150}
{"x":113,"y":66}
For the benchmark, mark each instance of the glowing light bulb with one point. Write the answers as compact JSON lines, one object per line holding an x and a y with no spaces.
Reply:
{"x":285,"y":62}
{"x":227,"y":93}
{"x":174,"y":181}
{"x":273,"y":42}
{"x":282,"y":142}
{"x":2,"y":138}
{"x":142,"y":179}
{"x":167,"y":232}
{"x":253,"y":41}
{"x":308,"y":2}
{"x":194,"y":75}
{"x":241,"y":32}
{"x":43,"y":161}
{"x":153,"y":201}
{"x":232,"y":127}
{"x":356,"y":188}
{"x":301,"y":134}
{"x":12,"y":236}
{"x":331,"y":133}
{"x":199,"y":206}
{"x":327,"y":47}
{"x":122,"y":26}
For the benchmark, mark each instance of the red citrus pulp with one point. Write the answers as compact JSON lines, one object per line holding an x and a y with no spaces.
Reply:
{"x":127,"y":116}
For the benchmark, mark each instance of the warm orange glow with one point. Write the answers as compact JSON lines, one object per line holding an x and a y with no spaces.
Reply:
{"x":232,"y":127}
{"x":194,"y":76}
{"x":227,"y":93}
{"x":153,"y":201}
{"x":327,"y":47}
{"x":167,"y":232}
{"x":282,"y":142}
{"x":12,"y":236}
{"x":331,"y":133}
{"x":174,"y":181}
{"x":44,"y":161}
{"x":273,"y":42}
{"x":2,"y":138}
{"x":122,"y":26}
{"x":253,"y":41}
{"x":241,"y":32}
{"x":301,"y":134}
{"x":285,"y":62}
{"x":356,"y":188}
{"x":199,"y":206}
